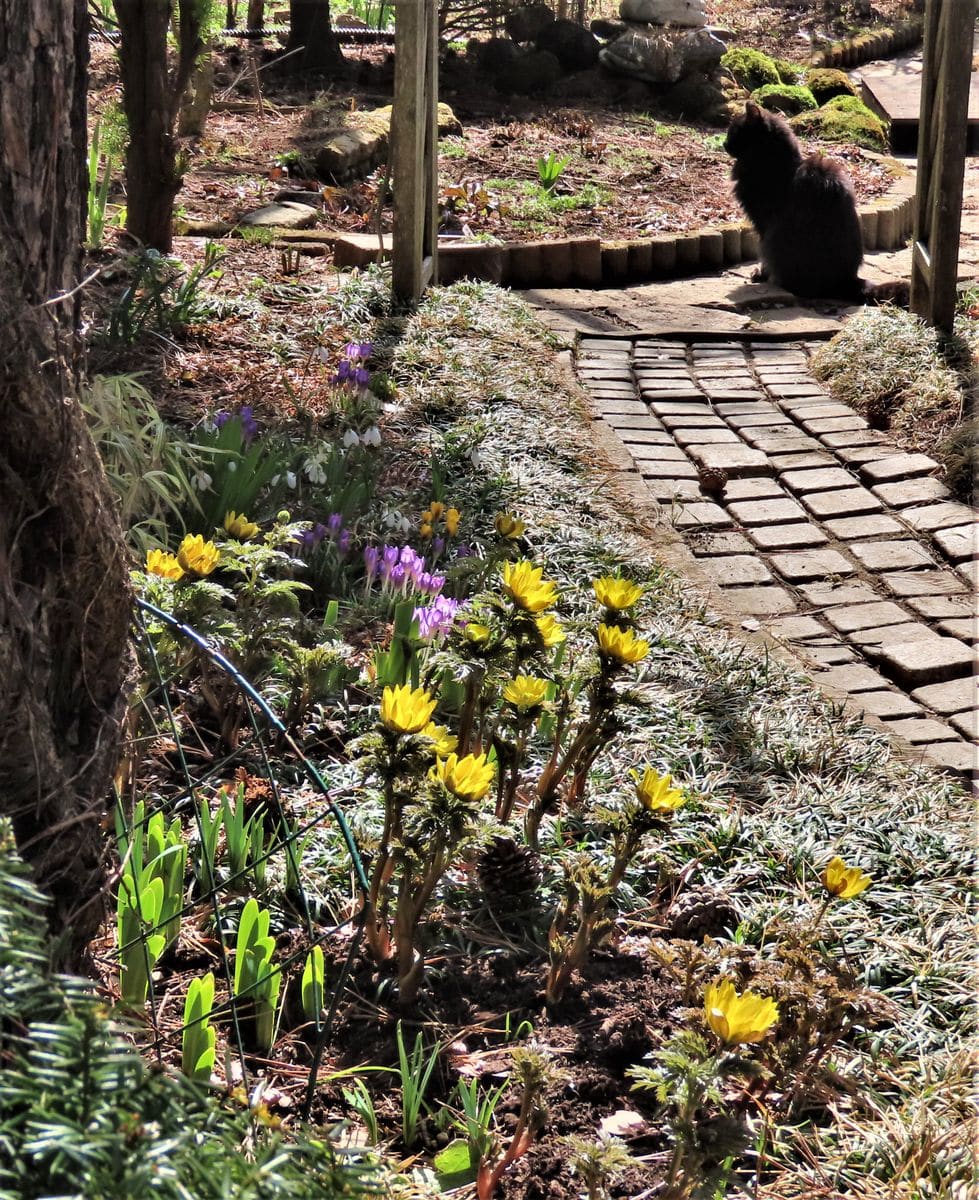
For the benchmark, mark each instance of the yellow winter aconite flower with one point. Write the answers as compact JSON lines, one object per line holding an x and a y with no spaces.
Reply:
{"x":197,"y":555}
{"x":468,"y":777}
{"x":843,"y":881}
{"x":478,"y":634}
{"x":159,"y":562}
{"x":734,"y":1018}
{"x":656,"y":793}
{"x":524,"y":584}
{"x":526,"y":691}
{"x":237,"y":525}
{"x":621,"y":644}
{"x":509,"y":526}
{"x":406,"y":710}
{"x":445,"y":742}
{"x":551,"y":630}
{"x":452,"y":518}
{"x":616,"y":593}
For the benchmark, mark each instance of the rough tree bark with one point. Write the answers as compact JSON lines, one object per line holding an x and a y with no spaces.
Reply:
{"x":151,"y":97}
{"x":64,"y":592}
{"x":311,"y":33}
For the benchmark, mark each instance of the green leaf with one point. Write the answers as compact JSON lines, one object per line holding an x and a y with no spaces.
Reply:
{"x":454,"y":1165}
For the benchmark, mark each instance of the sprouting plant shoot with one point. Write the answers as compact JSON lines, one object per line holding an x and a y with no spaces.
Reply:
{"x":198,"y":1034}
{"x":257,"y":981}
{"x":550,"y":170}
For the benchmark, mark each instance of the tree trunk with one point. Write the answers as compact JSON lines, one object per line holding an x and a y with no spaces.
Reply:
{"x":64,"y":591}
{"x":256,"y":15}
{"x":310,"y":32}
{"x":151,"y":96}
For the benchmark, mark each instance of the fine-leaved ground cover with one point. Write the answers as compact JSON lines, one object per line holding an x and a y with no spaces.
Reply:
{"x":873,"y":992}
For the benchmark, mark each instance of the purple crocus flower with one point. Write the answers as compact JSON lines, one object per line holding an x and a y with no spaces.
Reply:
{"x":222,"y":418}
{"x":310,"y":538}
{"x":362,"y":350}
{"x":372,"y":557}
{"x":249,"y":426}
{"x":334,"y":523}
{"x":343,"y":542}
{"x":437,"y":618}
{"x":361,"y":377}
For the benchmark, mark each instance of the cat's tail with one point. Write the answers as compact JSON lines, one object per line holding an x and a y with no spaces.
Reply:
{"x":896,"y":292}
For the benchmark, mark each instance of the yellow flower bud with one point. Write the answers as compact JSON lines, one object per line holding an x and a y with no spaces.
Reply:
{"x":526,"y":691}
{"x":237,"y":525}
{"x":523,"y":583}
{"x":452,"y":519}
{"x":621,"y":644}
{"x":159,"y":562}
{"x":197,"y":555}
{"x":404,"y":710}
{"x":734,"y":1018}
{"x":843,"y":881}
{"x":469,"y":777}
{"x":616,"y":593}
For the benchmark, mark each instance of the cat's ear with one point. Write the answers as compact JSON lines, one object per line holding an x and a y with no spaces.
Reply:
{"x":752,"y":110}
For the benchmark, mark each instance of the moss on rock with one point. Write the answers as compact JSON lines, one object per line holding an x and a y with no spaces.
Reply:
{"x":751,"y":68}
{"x":827,"y":82}
{"x":843,"y":119}
{"x":788,"y":98}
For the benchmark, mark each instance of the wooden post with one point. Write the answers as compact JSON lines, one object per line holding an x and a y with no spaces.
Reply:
{"x":942,"y":131}
{"x":414,"y":147}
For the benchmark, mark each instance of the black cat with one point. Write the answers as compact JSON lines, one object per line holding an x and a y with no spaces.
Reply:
{"x":804,"y":212}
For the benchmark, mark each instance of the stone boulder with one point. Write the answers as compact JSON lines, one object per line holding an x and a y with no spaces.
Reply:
{"x":523,"y":24}
{"x":689,"y":14}
{"x":658,"y":56}
{"x":493,"y":55}
{"x":535,"y":71}
{"x":575,"y":47}
{"x":280,"y":216}
{"x":607,"y":28}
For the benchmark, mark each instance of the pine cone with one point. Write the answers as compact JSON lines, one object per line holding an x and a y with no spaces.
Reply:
{"x":508,"y":872}
{"x":701,"y":912}
{"x":712,"y":480}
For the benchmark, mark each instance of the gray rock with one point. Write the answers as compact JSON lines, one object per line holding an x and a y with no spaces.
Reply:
{"x":281,"y":216}
{"x":493,"y":55}
{"x":532,"y":72}
{"x":607,"y":28}
{"x":575,"y":48}
{"x":523,"y":24}
{"x":688,"y":14}
{"x":660,"y":56}
{"x":298,"y":196}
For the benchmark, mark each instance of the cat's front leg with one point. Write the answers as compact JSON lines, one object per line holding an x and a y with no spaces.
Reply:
{"x":759,"y":274}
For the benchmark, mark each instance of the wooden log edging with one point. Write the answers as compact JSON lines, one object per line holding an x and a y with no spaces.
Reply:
{"x":886,"y":225}
{"x":870,"y":46}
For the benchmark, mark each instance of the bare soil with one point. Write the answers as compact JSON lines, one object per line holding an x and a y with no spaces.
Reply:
{"x":633,"y":168}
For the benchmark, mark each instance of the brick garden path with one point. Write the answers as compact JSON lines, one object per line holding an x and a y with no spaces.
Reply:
{"x":832,"y":538}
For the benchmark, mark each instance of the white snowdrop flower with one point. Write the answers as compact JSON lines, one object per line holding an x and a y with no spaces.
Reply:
{"x":290,"y":479}
{"x":392,"y":518}
{"x":406,"y":525}
{"x":314,"y":470}
{"x":322,"y":354}
{"x":475,"y":457}
{"x":202,"y":481}
{"x":371,"y":437}
{"x":232,"y":465}
{"x":351,"y":438}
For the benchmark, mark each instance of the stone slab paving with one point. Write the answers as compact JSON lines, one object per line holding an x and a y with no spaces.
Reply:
{"x":812,"y":526}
